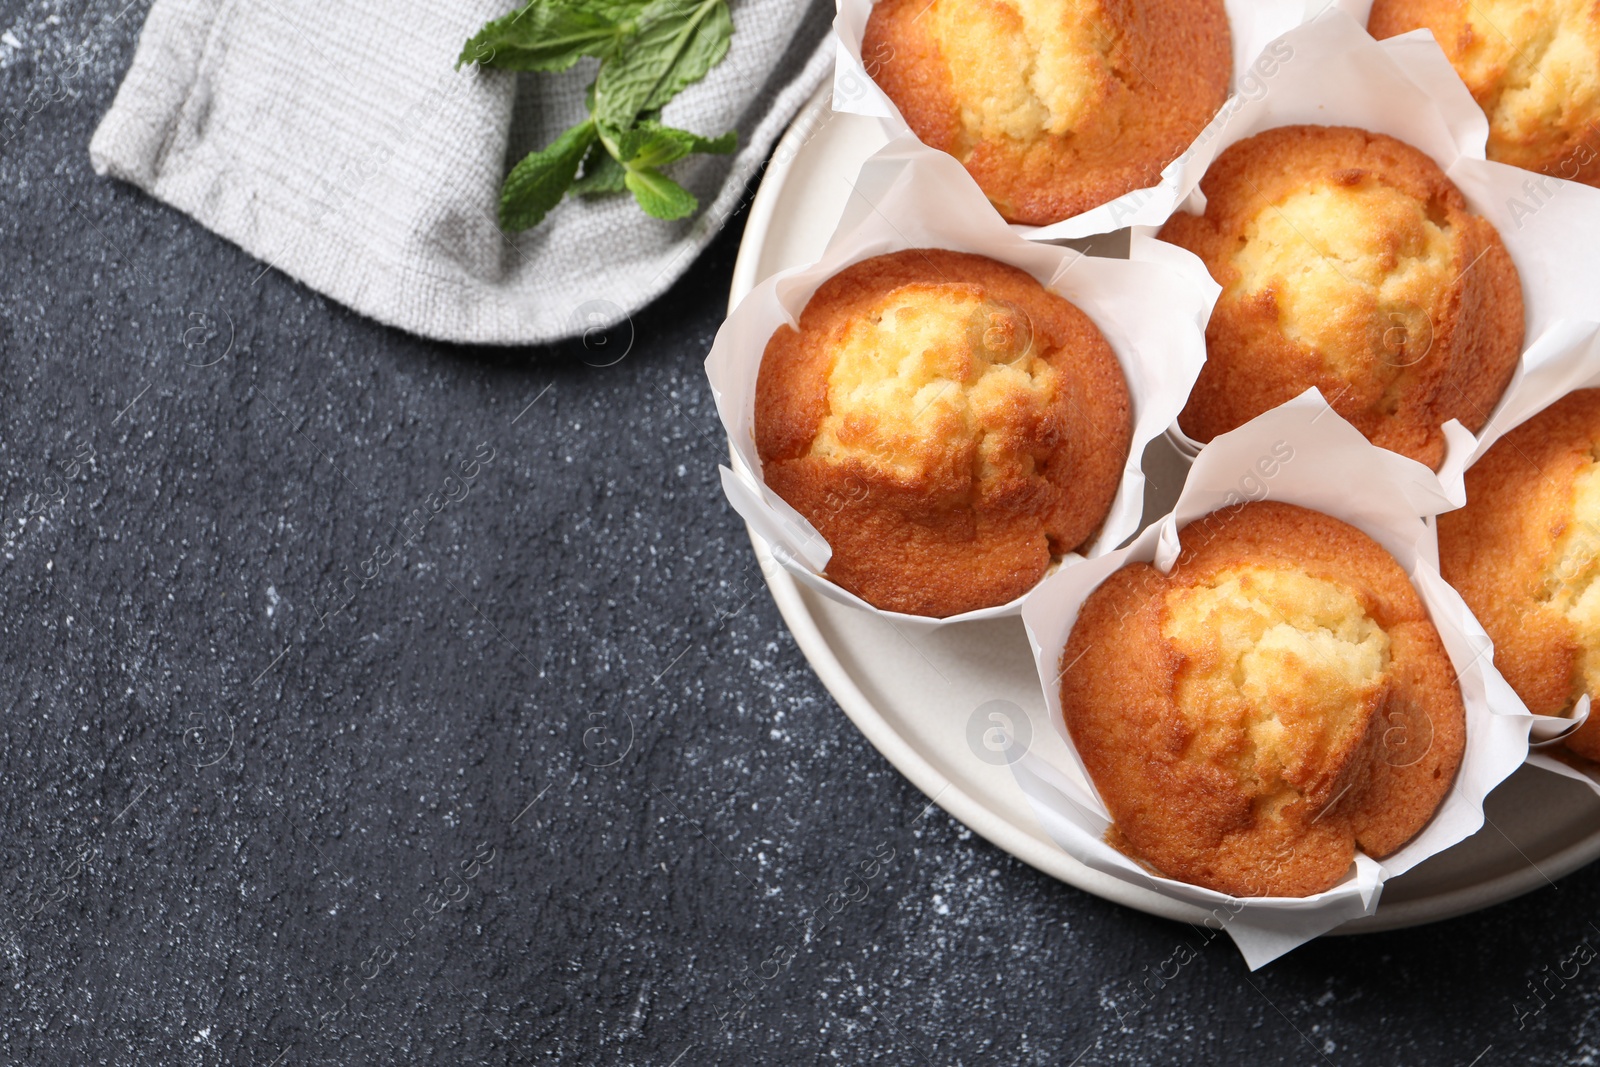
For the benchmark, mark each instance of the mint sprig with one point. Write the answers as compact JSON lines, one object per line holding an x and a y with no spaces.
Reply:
{"x":649,"y":51}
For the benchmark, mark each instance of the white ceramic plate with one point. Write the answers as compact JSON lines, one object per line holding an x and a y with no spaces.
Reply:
{"x":915,"y":695}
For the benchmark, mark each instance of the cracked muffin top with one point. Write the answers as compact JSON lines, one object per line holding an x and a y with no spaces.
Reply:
{"x":1348,"y":261}
{"x":1276,"y":701}
{"x":1534,"y":68}
{"x":949,"y":426}
{"x":1054,"y":106}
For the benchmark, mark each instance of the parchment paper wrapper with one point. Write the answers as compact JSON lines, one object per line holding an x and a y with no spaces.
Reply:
{"x":1337,"y":75}
{"x":1152,"y":313}
{"x":1331,"y":468}
{"x":1565,"y":359}
{"x":1254,"y":25}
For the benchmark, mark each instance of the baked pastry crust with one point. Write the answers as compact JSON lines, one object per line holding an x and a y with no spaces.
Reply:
{"x":1054,"y":107}
{"x":1532,"y":65}
{"x":947,"y":424}
{"x":1524,"y":554}
{"x":1278,"y":699}
{"x":1348,"y":261}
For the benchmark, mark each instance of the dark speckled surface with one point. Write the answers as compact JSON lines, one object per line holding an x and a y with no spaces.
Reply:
{"x":547,"y":789}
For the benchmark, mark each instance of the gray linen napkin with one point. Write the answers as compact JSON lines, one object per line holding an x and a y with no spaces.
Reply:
{"x":336,"y":142}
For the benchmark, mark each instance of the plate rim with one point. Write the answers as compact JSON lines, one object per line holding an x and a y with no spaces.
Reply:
{"x":967,"y":809}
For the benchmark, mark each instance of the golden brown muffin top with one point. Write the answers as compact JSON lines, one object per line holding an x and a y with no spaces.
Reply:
{"x":1275,"y":701}
{"x":1532,"y":65}
{"x":935,"y":383}
{"x":947,"y":424}
{"x":1525,"y":552}
{"x":1348,"y":261}
{"x":1054,"y":107}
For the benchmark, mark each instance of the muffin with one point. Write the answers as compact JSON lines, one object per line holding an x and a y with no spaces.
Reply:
{"x":1054,"y":107}
{"x":1275,"y":702}
{"x":947,"y":424}
{"x":1534,"y":68}
{"x":1348,"y":261}
{"x":1524,"y":554}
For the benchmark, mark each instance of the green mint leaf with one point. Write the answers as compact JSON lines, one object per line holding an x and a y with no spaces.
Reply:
{"x":615,"y":10}
{"x":538,"y":183}
{"x":650,"y":144}
{"x":545,"y":35}
{"x":716,"y":146}
{"x":678,"y":41}
{"x":601,"y":173}
{"x":703,"y":48}
{"x":659,"y":195}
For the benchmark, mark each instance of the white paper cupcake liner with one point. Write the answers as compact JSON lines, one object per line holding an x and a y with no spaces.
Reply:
{"x":1254,"y":26}
{"x":1327,"y":458}
{"x":1337,"y":75}
{"x":1152,"y":313}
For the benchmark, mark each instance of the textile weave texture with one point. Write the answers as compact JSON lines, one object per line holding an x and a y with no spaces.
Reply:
{"x":339,"y":144}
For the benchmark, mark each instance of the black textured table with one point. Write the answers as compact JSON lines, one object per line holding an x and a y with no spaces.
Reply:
{"x":368,"y":700}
